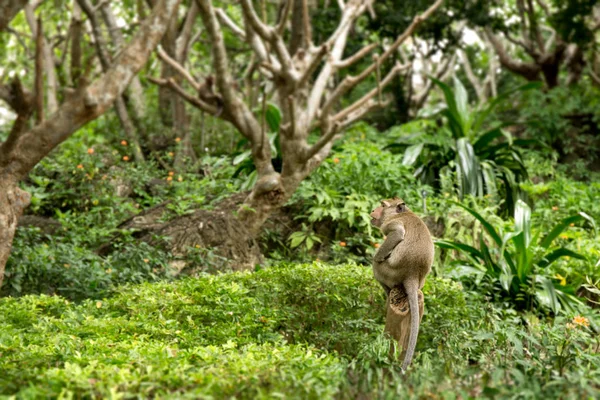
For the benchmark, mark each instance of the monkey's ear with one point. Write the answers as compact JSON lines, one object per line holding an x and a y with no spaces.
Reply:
{"x":385,"y":203}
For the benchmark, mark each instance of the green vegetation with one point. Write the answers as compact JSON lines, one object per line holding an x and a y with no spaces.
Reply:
{"x":212,"y":237}
{"x":299,"y":331}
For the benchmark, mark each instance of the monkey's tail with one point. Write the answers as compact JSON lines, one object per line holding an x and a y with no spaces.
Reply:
{"x":412,"y":290}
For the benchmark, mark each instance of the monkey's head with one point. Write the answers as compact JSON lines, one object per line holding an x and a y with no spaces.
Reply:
{"x":387,"y":208}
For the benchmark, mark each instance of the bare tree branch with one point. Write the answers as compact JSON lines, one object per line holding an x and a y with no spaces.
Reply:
{"x":50,"y":71}
{"x":193,"y":100}
{"x":8,"y":10}
{"x":177,"y":67}
{"x":39,"y":72}
{"x":29,"y":148}
{"x":356,"y":56}
{"x":351,"y":81}
{"x":228,"y":22}
{"x":529,"y":71}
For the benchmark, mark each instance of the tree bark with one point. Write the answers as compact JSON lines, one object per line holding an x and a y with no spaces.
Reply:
{"x":12,"y":203}
{"x":105,"y":61}
{"x":23,"y":150}
{"x":397,"y":319}
{"x":8,"y":10}
{"x":50,"y":70}
{"x":135,"y":89}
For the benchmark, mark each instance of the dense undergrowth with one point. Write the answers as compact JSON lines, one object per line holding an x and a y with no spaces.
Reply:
{"x":78,"y":322}
{"x":294,"y":331}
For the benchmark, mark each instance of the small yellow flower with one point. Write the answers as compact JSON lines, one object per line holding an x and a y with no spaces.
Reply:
{"x":109,"y":271}
{"x":178,"y":139}
{"x":98,"y":304}
{"x":336,"y":160}
{"x":79,"y":166}
{"x":95,"y":202}
{"x":571,"y":224}
{"x":581,"y":321}
{"x":171,"y":154}
{"x":67,"y":265}
{"x":90,"y":151}
{"x":123,"y":142}
{"x":562,"y":279}
{"x":554,"y":208}
{"x":146,"y":260}
{"x":343,"y":244}
{"x":171,"y":173}
{"x":564,"y":236}
{"x":180,"y":179}
{"x":570,"y":325}
{"x":376,"y":245}
{"x":169,"y":178}
{"x":125,"y":158}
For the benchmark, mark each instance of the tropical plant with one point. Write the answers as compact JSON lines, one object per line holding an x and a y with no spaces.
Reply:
{"x":517,"y":261}
{"x":480,"y":157}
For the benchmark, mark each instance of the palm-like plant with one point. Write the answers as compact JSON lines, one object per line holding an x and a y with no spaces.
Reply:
{"x":516,"y":261}
{"x":481,"y":157}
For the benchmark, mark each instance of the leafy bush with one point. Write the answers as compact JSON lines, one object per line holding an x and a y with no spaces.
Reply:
{"x":518,"y":270}
{"x":480,"y":157}
{"x":297,"y":331}
{"x":340,"y":195}
{"x":52,"y":266}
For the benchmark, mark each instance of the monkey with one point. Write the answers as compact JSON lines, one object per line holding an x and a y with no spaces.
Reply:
{"x":404,"y":258}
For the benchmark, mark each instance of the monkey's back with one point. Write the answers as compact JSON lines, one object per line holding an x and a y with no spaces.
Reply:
{"x":413,"y":256}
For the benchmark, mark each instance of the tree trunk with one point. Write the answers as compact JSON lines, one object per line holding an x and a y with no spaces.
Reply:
{"x":397,"y":319}
{"x":12,"y":203}
{"x":135,"y":89}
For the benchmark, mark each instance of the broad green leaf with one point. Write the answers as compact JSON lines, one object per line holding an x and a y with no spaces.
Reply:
{"x":412,"y":153}
{"x":241,"y":157}
{"x":462,"y":101}
{"x":523,"y":224}
{"x":561,"y":226}
{"x":546,"y":293}
{"x":486,"y":225}
{"x":273,"y":117}
{"x":446,"y":244}
{"x":558,"y":253}
{"x":468,"y":168}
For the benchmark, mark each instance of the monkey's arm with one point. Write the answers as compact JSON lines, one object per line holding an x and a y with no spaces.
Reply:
{"x":395,"y":235}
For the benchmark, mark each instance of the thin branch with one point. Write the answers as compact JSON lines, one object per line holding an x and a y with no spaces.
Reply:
{"x":39,"y":72}
{"x":544,"y":7}
{"x":177,"y":67}
{"x":287,"y":71}
{"x":351,"y":81}
{"x":307,"y":37}
{"x":356,"y":56}
{"x":193,"y":100}
{"x":372,"y":93}
{"x":284,"y":16}
{"x":595,"y":77}
{"x":228,"y":22}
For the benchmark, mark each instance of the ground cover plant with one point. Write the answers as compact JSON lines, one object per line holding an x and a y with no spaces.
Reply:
{"x":211,"y":238}
{"x":299,"y":331}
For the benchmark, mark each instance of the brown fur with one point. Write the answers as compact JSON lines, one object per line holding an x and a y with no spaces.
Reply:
{"x":404,"y":258}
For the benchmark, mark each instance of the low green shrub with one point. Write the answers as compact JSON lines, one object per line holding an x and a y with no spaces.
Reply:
{"x":294,"y":331}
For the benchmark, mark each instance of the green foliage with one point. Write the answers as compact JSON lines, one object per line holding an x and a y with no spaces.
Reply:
{"x":45,"y":265}
{"x":339,"y":196}
{"x":518,"y":269}
{"x":294,"y":331}
{"x":565,"y":117}
{"x":480,"y":157}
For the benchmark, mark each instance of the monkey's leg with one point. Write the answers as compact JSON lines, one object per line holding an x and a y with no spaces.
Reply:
{"x":389,"y":244}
